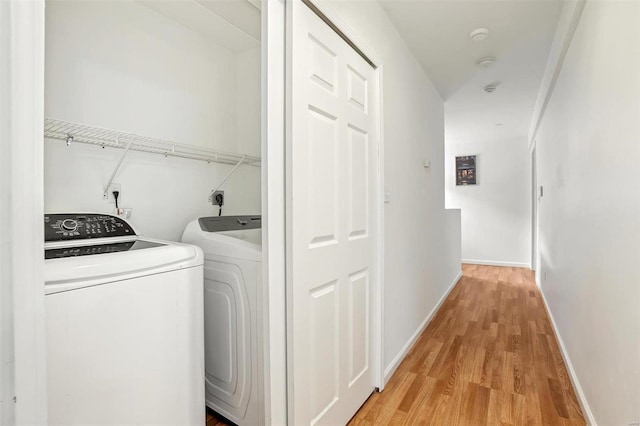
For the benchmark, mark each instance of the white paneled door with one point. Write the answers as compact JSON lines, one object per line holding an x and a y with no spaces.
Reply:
{"x":332,"y":216}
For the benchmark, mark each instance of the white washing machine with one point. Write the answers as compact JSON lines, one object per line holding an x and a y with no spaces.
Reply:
{"x":233,"y":314}
{"x":124,"y":325}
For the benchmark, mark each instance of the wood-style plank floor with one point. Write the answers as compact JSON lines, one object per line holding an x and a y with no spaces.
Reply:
{"x":488,"y":357}
{"x":213,"y":419}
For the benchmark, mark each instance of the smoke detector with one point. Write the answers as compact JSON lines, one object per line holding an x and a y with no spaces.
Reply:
{"x":490,"y":88}
{"x":479,"y":34}
{"x":486,"y":62}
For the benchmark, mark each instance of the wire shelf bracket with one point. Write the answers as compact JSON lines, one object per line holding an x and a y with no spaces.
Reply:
{"x":242,"y":160}
{"x":105,"y":194}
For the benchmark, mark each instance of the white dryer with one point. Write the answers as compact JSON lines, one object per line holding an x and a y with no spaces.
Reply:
{"x":124,"y":325}
{"x":233,"y":314}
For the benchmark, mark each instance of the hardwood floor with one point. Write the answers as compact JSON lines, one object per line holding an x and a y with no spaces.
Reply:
{"x":488,"y":357}
{"x":213,"y":419}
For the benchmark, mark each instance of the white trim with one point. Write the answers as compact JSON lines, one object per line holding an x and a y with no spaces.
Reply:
{"x":397,"y":360}
{"x":533,"y":185}
{"x":380,"y":232}
{"x":497,"y":263}
{"x":21,"y":192}
{"x":569,"y":18}
{"x":273,"y":212}
{"x":288,"y":29}
{"x":582,"y":399}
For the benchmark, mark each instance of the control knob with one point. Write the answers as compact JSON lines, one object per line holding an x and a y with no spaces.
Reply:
{"x":69,"y":225}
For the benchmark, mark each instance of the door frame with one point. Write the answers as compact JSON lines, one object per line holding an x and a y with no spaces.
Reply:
{"x":534,"y":208}
{"x":273,"y":211}
{"x":23,"y":369}
{"x":22,"y":338}
{"x":377,"y":333}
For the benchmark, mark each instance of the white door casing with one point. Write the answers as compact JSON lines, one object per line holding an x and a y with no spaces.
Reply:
{"x":332,"y":167}
{"x":534,"y":210}
{"x":22,"y":341}
{"x":273,"y":211}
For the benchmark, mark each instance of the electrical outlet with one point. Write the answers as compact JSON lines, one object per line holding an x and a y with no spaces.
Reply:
{"x":109,"y":194}
{"x":218,"y":198}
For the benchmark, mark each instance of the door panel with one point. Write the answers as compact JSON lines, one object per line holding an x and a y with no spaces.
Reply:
{"x":322,"y":194}
{"x":323,"y":65}
{"x":332,"y":170}
{"x":358,"y":325}
{"x":357,"y":89}
{"x":325,"y":347}
{"x":358,"y":183}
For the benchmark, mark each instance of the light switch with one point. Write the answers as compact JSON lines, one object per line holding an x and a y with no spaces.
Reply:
{"x":387,"y":194}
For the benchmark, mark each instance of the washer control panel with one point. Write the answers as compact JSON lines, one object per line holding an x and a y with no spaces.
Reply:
{"x":74,"y":226}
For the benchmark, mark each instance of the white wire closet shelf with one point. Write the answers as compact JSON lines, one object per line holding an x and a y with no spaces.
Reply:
{"x":82,"y":133}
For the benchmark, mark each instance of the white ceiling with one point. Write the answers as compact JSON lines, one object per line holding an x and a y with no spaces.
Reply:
{"x":437,"y":32}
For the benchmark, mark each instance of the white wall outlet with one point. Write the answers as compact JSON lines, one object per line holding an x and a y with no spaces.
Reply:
{"x":217,"y":199}
{"x":109,"y":194}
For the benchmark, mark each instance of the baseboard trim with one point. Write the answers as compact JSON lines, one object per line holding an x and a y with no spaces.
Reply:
{"x":397,"y":360}
{"x":497,"y":263}
{"x":586,"y":410}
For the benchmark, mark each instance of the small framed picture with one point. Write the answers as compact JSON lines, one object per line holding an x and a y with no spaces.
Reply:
{"x":466,"y":170}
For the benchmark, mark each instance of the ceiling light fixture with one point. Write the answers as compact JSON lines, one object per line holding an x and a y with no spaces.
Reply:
{"x":490,"y":88}
{"x":486,"y":62}
{"x":479,"y":34}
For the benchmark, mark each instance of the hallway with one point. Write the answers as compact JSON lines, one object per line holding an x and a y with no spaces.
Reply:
{"x":489,"y":356}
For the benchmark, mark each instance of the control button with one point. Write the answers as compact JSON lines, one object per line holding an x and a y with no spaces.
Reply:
{"x":69,"y":225}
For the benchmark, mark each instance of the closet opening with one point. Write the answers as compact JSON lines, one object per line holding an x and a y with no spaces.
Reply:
{"x":153,"y":120}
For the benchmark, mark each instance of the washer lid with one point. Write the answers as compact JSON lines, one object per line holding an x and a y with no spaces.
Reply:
{"x":77,"y":271}
{"x":94,"y":249}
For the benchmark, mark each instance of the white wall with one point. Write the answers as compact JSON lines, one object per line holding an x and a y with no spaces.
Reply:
{"x":452,"y":243}
{"x":496,"y":226}
{"x":123,"y":66}
{"x":248,"y":106}
{"x":588,"y":148}
{"x":418,"y":269}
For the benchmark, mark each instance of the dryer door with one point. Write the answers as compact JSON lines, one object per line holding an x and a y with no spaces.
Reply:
{"x":229,"y":293}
